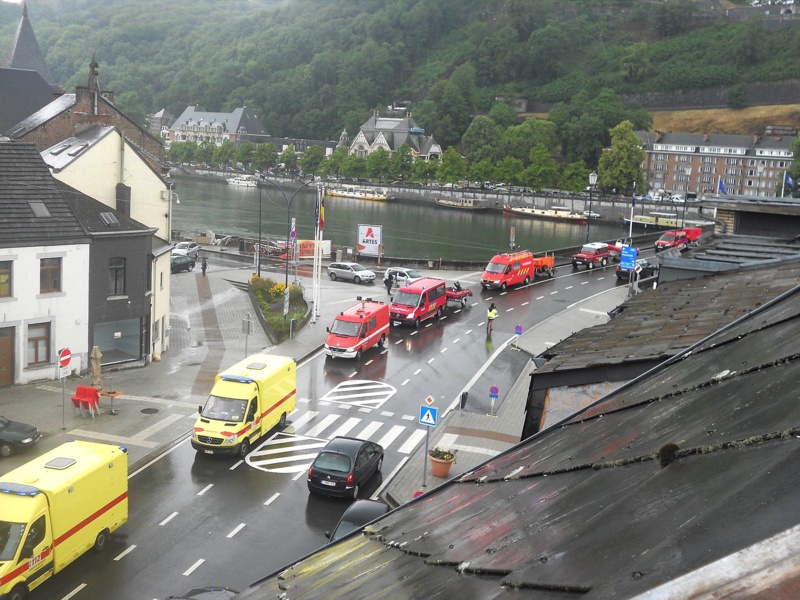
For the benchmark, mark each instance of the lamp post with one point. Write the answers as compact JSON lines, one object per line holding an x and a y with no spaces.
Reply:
{"x":258,"y":257}
{"x":592,"y":182}
{"x":688,"y":171}
{"x":760,"y":169}
{"x":288,"y":232}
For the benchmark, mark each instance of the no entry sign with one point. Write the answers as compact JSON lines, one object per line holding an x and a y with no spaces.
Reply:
{"x":64,"y":356}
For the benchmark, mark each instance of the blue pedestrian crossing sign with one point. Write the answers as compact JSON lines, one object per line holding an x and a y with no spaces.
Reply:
{"x":428,"y":415}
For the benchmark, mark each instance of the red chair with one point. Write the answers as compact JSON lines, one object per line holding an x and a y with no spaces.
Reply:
{"x":91,"y":400}
{"x":80,"y":394}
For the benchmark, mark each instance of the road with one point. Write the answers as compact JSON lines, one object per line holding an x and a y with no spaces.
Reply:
{"x":197,"y":520}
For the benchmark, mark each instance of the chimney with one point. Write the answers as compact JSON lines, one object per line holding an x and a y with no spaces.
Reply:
{"x":755,"y":138}
{"x":705,"y":137}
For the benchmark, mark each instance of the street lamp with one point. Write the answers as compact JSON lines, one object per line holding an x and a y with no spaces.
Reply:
{"x":288,"y":232}
{"x":688,"y":171}
{"x":258,"y":258}
{"x":592,"y":182}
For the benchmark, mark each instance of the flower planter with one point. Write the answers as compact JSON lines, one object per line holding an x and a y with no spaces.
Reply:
{"x":439,"y":467}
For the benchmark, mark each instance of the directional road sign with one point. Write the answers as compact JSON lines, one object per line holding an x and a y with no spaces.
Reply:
{"x":428,"y":415}
{"x":628,"y":258}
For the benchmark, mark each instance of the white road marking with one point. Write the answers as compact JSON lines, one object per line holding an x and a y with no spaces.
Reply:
{"x":236,"y":530}
{"x":369,"y":362}
{"x":74,"y":592}
{"x":525,"y":304}
{"x":540,"y":297}
{"x":509,"y":309}
{"x":191,"y":569}
{"x":398,"y":342}
{"x":345,"y":428}
{"x":405,"y":382}
{"x":443,"y":350}
{"x":408,"y":417}
{"x":168,"y":519}
{"x":569,"y":287}
{"x":391,"y":436}
{"x":412,"y":441}
{"x":272,"y":499}
{"x":431,"y":360}
{"x":417,"y":371}
{"x":369,"y":430}
{"x":127,"y":551}
{"x":205,"y":489}
{"x":322,"y":425}
{"x":455,"y":341}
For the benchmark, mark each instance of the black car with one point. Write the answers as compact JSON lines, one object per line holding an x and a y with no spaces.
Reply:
{"x":358,"y":514}
{"x":648,"y":270}
{"x":181,"y":263}
{"x":343,"y":466}
{"x":16,"y":436}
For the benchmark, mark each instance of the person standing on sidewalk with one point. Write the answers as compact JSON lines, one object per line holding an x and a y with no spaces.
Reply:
{"x":204,"y":266}
{"x":491,"y":315}
{"x":389,"y":283}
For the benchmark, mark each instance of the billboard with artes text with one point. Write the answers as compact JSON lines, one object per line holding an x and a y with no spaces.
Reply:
{"x":369,"y":240}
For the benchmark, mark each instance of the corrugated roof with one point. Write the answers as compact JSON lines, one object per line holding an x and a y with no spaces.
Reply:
{"x":25,"y":181}
{"x":684,"y":466}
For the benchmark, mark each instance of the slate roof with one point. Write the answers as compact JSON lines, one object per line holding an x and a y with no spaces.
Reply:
{"x":41,"y":116}
{"x":397,"y":131}
{"x":22,"y":93}
{"x":670,"y":487}
{"x":25,"y":179}
{"x":232,"y":122}
{"x":90,"y":212}
{"x":718,"y":140}
{"x":64,"y":153}
{"x":25,"y":53}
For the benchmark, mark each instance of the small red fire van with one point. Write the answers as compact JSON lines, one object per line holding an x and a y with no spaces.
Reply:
{"x":508,"y":269}
{"x":357,"y":329}
{"x":418,"y":301}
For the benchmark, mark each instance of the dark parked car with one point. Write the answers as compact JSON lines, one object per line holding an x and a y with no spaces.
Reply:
{"x":181,"y":263}
{"x":343,"y":466}
{"x":16,"y":436}
{"x":648,"y":270}
{"x":358,"y":514}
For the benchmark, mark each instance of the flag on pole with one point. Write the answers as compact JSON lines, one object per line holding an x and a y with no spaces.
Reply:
{"x":787,"y":179}
{"x":321,"y":213}
{"x":633,"y":195}
{"x":722,"y":189}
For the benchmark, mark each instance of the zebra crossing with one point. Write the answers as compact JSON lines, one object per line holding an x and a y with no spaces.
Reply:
{"x":292,"y":450}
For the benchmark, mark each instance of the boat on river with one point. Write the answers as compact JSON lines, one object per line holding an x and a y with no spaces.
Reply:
{"x":660,"y":221}
{"x":243,"y":181}
{"x":466,"y":204}
{"x":556,"y":213}
{"x":358,"y":193}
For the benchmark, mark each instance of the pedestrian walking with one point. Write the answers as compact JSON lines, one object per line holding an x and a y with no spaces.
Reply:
{"x":389,"y":283}
{"x":204,"y":266}
{"x":491,"y":315}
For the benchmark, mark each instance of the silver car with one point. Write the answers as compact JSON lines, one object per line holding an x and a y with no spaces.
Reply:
{"x":401,"y":275}
{"x":350,"y":271}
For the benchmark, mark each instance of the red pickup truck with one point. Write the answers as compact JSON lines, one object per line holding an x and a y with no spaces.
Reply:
{"x":680,"y":239}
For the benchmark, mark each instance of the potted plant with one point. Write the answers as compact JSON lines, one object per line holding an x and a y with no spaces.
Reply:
{"x":441,"y":459}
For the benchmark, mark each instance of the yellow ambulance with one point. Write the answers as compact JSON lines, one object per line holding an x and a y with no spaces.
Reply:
{"x":247,"y":400}
{"x":55,"y":508}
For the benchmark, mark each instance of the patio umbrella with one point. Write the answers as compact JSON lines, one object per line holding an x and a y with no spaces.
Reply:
{"x":96,"y":355}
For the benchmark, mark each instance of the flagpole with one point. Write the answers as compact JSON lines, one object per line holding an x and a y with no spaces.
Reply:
{"x":783,"y":185}
{"x":633,"y":206}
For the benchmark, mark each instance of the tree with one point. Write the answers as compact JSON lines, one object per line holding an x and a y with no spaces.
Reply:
{"x":502,"y":114}
{"x":574,"y":177}
{"x":130,"y":104}
{"x":224,"y":154}
{"x":482,"y":140}
{"x":354,"y":166}
{"x":289,"y":159}
{"x":403,"y":162}
{"x":205,"y":152}
{"x":265,"y":156}
{"x":481,"y":171}
{"x":543,"y":170}
{"x":244,"y":154}
{"x":583,"y":138}
{"x":519,"y":140}
{"x":332,"y":165}
{"x":425,"y":170}
{"x":182,"y":152}
{"x":451,"y":168}
{"x":312,"y":158}
{"x":635,"y":64}
{"x":509,"y":170}
{"x":379,"y":164}
{"x":621,"y":164}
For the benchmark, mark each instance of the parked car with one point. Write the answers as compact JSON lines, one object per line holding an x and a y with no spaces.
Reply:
{"x":350,"y":271}
{"x":358,"y":514}
{"x":677,"y":199}
{"x":402,"y":275}
{"x":590,"y":214}
{"x":186,"y":249}
{"x":15,"y":436}
{"x":648,"y":270}
{"x":180,"y":263}
{"x":343,"y":466}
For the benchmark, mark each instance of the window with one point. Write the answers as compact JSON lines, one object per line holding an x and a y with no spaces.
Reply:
{"x":116,"y":276}
{"x":39,"y":344}
{"x":6,"y":288}
{"x":49,"y":275}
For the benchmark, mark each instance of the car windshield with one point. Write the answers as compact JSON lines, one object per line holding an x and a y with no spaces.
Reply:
{"x":183,"y":246}
{"x":667,"y":237}
{"x":495,"y":268}
{"x":358,"y":268}
{"x":10,"y":537}
{"x":224,"y":409}
{"x":406,"y":299}
{"x":412,"y":274}
{"x":332,"y":461}
{"x":345,"y":328}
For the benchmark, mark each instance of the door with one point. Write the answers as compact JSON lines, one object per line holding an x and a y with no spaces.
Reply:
{"x":6,"y":356}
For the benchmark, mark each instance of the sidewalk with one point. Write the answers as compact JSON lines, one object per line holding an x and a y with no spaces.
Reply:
{"x":159,"y":402}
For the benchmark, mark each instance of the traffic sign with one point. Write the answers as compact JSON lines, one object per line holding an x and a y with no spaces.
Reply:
{"x":428,"y":415}
{"x":628,"y":258}
{"x":64,"y":356}
{"x":493,"y":391}
{"x":429,"y":400}
{"x":518,"y":330}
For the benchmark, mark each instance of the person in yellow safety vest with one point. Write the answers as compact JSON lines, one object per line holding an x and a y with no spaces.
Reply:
{"x":491,"y":315}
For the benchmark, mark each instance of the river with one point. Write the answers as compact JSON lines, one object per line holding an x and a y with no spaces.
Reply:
{"x":410,"y":229}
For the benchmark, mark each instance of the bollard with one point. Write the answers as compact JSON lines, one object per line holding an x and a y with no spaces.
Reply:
{"x":464,"y":399}
{"x":292,"y":325}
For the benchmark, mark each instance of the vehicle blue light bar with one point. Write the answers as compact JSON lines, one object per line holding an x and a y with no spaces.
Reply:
{"x":237,"y":379}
